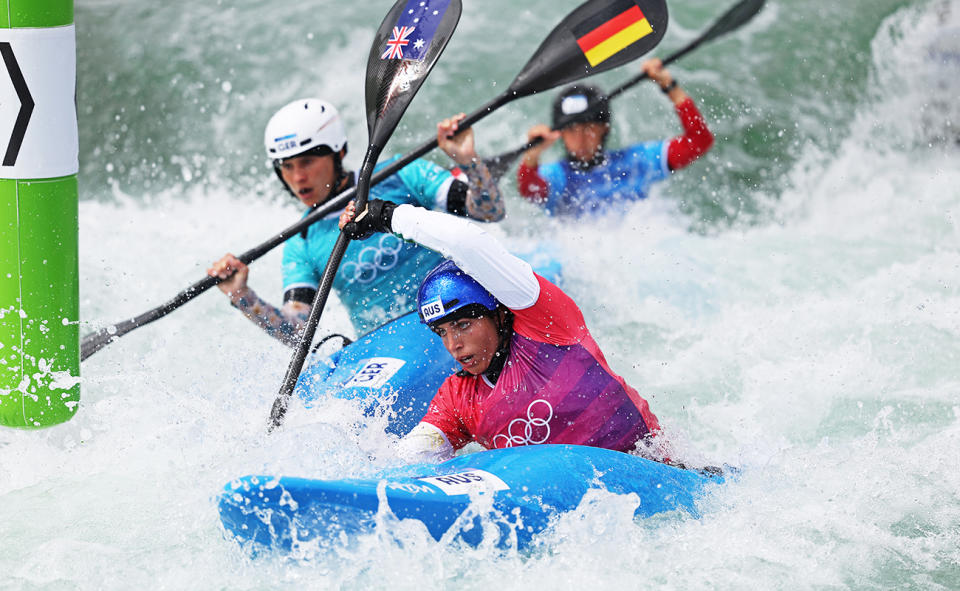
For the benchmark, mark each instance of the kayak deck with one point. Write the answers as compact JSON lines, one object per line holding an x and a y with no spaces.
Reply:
{"x":519,"y":490}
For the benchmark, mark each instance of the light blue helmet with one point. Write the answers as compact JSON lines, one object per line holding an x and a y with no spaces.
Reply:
{"x":447,"y":293}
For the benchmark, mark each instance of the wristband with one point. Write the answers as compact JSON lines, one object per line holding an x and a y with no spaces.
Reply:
{"x":377,"y":217}
{"x":669,"y":87}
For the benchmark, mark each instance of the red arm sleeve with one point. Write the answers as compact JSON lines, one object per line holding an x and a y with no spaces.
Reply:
{"x":694,"y":142}
{"x":532,"y":186}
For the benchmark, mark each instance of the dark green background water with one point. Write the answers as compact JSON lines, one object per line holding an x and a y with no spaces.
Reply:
{"x":177,"y":93}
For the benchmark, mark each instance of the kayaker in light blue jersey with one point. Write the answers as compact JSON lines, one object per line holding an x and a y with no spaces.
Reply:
{"x":377,"y":281}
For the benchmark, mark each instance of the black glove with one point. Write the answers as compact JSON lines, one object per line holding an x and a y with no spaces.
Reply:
{"x":375,"y":218}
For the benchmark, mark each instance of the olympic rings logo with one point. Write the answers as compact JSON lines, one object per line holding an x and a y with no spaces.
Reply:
{"x":374,"y":260}
{"x":532,"y":430}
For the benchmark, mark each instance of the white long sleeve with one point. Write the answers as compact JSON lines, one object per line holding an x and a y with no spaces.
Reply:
{"x":480,"y":255}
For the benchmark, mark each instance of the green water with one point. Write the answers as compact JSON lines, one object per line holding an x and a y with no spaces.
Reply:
{"x":188,"y":88}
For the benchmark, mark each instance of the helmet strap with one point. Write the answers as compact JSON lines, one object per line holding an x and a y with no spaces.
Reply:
{"x":276,"y":169}
{"x":599,"y":157}
{"x":503,"y":318}
{"x":339,"y":173}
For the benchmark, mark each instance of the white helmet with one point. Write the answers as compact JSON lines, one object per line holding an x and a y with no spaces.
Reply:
{"x":302,"y":126}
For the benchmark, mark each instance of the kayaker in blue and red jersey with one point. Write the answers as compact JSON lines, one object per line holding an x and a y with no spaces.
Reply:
{"x":593,"y":179}
{"x":531,"y":372}
{"x":306,"y":141}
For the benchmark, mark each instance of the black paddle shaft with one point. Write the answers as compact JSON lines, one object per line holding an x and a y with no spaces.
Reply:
{"x":103,"y":337}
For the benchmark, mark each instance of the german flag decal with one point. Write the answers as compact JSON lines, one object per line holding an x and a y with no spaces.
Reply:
{"x":611,"y":31}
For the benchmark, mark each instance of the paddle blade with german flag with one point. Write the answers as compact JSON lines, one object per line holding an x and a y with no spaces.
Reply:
{"x":598,"y":36}
{"x":609,"y":33}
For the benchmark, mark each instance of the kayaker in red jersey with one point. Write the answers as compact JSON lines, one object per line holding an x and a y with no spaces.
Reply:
{"x":593,"y":179}
{"x":531,"y":371}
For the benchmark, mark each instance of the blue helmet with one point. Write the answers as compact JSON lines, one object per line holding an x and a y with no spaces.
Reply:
{"x":448,"y":293}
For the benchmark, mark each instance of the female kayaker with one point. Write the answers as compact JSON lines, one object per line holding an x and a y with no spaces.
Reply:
{"x":531,"y":372}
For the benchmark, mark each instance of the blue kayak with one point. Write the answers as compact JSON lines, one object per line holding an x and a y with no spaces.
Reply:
{"x":530,"y":486}
{"x":395,"y":369}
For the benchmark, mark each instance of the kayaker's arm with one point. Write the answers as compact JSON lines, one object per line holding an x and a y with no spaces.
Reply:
{"x":283,"y":324}
{"x":483,"y":200}
{"x":510,"y":279}
{"x":697,"y":138}
{"x":531,"y":185}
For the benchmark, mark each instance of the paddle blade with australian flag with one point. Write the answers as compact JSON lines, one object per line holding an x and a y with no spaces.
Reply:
{"x":405,"y":49}
{"x":598,"y":36}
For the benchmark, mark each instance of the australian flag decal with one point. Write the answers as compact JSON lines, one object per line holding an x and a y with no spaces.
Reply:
{"x":415,"y":29}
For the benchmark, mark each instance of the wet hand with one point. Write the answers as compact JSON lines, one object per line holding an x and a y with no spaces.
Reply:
{"x":540,"y":131}
{"x":655,"y":70}
{"x":232,"y":272}
{"x":347,"y":214}
{"x":457,"y":144}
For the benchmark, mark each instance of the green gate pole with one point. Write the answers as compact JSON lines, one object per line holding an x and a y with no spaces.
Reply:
{"x":39,"y":272}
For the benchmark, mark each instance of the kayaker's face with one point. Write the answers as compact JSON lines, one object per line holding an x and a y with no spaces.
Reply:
{"x":310,"y":177}
{"x":584,"y":140}
{"x":472,"y":342}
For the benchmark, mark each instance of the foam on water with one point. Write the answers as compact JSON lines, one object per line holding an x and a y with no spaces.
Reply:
{"x":817,"y":349}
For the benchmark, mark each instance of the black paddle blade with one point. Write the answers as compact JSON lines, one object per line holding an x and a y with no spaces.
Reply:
{"x":499,"y":165}
{"x":596,"y":37}
{"x":406,"y":47}
{"x":733,"y":19}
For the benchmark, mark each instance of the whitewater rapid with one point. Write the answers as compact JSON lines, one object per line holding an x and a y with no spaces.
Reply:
{"x":812,"y":339}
